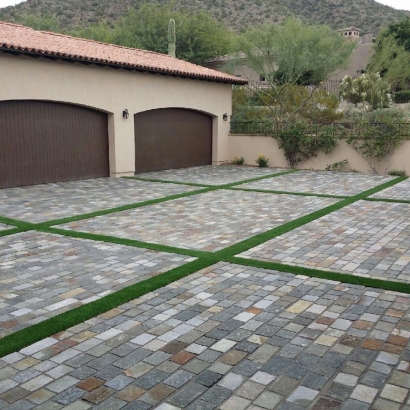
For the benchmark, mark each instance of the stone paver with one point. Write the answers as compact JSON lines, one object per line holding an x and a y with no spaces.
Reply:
{"x":4,"y":227}
{"x":211,"y":175}
{"x":42,"y":275}
{"x":314,"y":182}
{"x":366,"y":238}
{"x":300,"y":356}
{"x":209,"y":221}
{"x":400,"y":191}
{"x":40,"y":203}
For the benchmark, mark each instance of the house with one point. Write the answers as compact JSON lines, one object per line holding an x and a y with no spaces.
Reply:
{"x":72,"y":109}
{"x":357,"y":64}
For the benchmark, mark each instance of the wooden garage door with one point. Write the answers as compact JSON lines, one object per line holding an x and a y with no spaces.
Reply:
{"x":172,"y":138}
{"x":43,"y":142}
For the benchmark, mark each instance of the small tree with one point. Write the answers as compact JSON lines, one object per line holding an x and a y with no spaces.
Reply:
{"x":368,"y":88}
{"x":290,"y":54}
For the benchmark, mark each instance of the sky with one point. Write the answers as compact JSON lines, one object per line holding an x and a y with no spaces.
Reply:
{"x":397,"y":4}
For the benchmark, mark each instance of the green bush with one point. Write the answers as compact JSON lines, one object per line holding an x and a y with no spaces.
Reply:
{"x":401,"y":97}
{"x":301,"y":140}
{"x":238,"y":161}
{"x":262,"y":161}
{"x":368,"y":88}
{"x":398,"y":173}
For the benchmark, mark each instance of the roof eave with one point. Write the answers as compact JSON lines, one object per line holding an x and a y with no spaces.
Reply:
{"x":127,"y":66}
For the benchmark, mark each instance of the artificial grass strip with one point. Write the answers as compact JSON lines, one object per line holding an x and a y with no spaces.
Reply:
{"x":396,"y":201}
{"x":290,"y":226}
{"x":317,"y":273}
{"x":245,"y":181}
{"x":124,"y":241}
{"x":122,"y":208}
{"x":379,"y":188}
{"x":16,"y":222}
{"x":164,"y":181}
{"x":223,"y":186}
{"x":12,"y":231}
{"x":280,"y":230}
{"x":269,"y":191}
{"x":64,"y":321}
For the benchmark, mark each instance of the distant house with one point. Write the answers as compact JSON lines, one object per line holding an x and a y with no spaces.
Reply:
{"x":358,"y":61}
{"x":73,"y":108}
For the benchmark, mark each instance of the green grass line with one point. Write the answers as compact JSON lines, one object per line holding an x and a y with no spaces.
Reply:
{"x":245,"y":181}
{"x":122,"y":208}
{"x":15,"y":222}
{"x":270,"y":191}
{"x":12,"y":231}
{"x":317,"y":273}
{"x":124,"y":241}
{"x":280,"y":230}
{"x":63,"y":321}
{"x":164,"y":181}
{"x":379,"y":188}
{"x":222,"y":186}
{"x":290,"y":226}
{"x":396,"y":201}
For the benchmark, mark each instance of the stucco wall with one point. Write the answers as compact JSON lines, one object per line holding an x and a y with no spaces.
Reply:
{"x":112,"y":91}
{"x":251,"y":146}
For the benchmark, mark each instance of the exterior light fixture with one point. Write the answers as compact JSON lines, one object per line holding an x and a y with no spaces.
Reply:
{"x":125,"y":114}
{"x":225,"y":117}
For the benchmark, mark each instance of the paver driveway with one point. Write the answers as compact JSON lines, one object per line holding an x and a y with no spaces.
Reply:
{"x":227,"y":336}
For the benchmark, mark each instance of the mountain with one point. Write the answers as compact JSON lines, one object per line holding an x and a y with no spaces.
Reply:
{"x":367,"y":15}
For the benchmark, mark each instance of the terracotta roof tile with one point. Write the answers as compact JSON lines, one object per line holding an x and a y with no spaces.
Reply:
{"x":25,"y":39}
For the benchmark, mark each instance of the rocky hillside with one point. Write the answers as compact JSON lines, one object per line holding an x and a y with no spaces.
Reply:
{"x":238,"y":14}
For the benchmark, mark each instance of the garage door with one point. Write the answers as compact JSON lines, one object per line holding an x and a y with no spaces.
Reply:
{"x":172,"y":138}
{"x":43,"y":142}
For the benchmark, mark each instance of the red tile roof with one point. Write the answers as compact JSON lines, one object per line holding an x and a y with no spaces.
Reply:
{"x":26,"y":40}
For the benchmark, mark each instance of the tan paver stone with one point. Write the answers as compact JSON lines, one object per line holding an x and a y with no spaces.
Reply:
{"x":394,"y":393}
{"x":363,"y":325}
{"x":299,"y":306}
{"x":250,"y":390}
{"x":40,"y":396}
{"x":111,"y":313}
{"x":364,"y":393}
{"x":326,"y":340}
{"x":98,"y":395}
{"x":397,"y":340}
{"x":90,"y":384}
{"x":138,"y":370}
{"x":182,"y":357}
{"x":372,"y":344}
{"x":158,"y":393}
{"x":233,"y":357}
{"x":130,"y":393}
{"x":14,"y":394}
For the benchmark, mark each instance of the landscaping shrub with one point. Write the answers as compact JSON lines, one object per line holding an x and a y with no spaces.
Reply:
{"x":401,"y":97}
{"x":262,"y":161}
{"x":301,"y":140}
{"x":368,"y":88}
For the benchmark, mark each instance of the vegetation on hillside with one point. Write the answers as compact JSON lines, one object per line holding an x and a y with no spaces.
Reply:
{"x":392,"y":54}
{"x":239,"y":15}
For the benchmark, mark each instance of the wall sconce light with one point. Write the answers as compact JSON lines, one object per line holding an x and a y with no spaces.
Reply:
{"x":225,"y":117}
{"x":125,"y":114}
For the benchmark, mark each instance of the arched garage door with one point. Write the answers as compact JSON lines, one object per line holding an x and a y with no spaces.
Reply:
{"x":43,"y":142}
{"x":172,"y":138}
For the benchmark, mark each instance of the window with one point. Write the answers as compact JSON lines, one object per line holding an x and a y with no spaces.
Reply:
{"x":262,"y":78}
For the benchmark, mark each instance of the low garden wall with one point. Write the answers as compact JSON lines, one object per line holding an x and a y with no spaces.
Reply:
{"x":251,"y":146}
